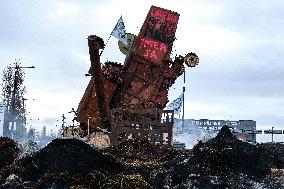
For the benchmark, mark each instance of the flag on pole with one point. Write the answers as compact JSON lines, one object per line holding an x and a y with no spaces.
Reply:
{"x":176,"y":105}
{"x":119,"y":31}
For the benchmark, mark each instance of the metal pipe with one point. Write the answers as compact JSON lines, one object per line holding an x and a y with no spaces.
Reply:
{"x":95,"y":43}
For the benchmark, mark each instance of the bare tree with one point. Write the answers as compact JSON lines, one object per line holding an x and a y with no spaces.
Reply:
{"x":13,"y":91}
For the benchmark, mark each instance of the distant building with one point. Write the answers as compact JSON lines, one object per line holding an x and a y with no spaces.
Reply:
{"x":2,"y":110}
{"x":243,"y":129}
{"x":16,"y":131}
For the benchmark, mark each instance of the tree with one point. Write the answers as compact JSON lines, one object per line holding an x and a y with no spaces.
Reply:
{"x":31,"y":134}
{"x":43,"y":132}
{"x":13,"y":91}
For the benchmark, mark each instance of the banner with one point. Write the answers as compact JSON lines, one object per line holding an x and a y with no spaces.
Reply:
{"x":119,"y":31}
{"x":176,"y":105}
{"x":156,"y":37}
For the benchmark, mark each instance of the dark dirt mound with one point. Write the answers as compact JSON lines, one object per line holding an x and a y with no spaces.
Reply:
{"x":66,"y":155}
{"x":144,"y":162}
{"x":8,"y":151}
{"x":141,"y":151}
{"x":222,"y":162}
{"x":276,"y":150}
{"x":225,"y":154}
{"x":61,"y":164}
{"x":224,"y":157}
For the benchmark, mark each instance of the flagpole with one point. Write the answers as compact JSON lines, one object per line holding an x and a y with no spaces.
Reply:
{"x":183,"y":91}
{"x":105,"y":44}
{"x":116,"y":25}
{"x":108,"y":38}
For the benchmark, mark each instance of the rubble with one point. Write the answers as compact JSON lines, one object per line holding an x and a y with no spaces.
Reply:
{"x":98,"y":140}
{"x":225,"y":153}
{"x":28,"y":148}
{"x":8,"y":151}
{"x":141,"y":152}
{"x":221,"y":162}
{"x":225,"y":162}
{"x":60,"y":163}
{"x":276,"y":150}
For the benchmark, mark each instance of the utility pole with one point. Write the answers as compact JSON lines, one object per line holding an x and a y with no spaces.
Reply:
{"x":183,"y":91}
{"x":63,"y":124}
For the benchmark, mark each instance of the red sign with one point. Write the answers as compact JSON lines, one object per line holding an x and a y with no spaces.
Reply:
{"x":157,"y":35}
{"x":164,"y":14}
{"x":151,"y":49}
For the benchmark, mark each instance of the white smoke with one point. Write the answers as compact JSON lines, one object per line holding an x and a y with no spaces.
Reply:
{"x":190,"y":138}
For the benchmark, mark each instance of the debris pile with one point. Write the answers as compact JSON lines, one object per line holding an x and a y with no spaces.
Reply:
{"x":8,"y":151}
{"x":61,"y":163}
{"x":225,"y":162}
{"x":141,"y":152}
{"x":28,"y":148}
{"x":222,"y":162}
{"x":276,"y":150}
{"x":98,"y":140}
{"x":225,"y":153}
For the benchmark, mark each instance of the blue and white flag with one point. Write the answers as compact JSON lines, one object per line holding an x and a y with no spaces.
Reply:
{"x":176,"y":105}
{"x":119,"y":31}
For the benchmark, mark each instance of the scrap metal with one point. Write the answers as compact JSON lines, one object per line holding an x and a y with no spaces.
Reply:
{"x":141,"y":84}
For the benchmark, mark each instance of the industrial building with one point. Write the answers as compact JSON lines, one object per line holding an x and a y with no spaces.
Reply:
{"x":243,"y":129}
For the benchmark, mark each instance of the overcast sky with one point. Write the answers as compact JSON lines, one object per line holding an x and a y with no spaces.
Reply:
{"x":240,"y":44}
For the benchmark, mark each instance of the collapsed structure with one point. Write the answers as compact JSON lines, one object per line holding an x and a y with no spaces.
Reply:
{"x":129,"y":99}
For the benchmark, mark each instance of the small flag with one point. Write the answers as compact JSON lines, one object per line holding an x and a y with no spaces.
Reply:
{"x":176,"y":105}
{"x":119,"y":31}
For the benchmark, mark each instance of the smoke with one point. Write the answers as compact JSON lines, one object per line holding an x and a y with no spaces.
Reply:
{"x":190,"y":138}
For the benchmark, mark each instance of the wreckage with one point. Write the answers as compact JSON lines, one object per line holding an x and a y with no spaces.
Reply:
{"x":221,"y":162}
{"x":129,"y":99}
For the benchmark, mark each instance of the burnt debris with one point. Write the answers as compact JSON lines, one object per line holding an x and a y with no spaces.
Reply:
{"x":222,"y":162}
{"x":8,"y":151}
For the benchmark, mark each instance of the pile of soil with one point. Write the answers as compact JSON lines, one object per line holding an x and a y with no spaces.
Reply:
{"x":8,"y":151}
{"x":222,"y":162}
{"x":225,"y":154}
{"x":144,"y":162}
{"x":225,"y":162}
{"x":276,"y":150}
{"x":61,"y":163}
{"x":142,"y":152}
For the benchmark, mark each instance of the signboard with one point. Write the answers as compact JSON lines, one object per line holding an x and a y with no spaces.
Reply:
{"x":252,"y":131}
{"x":272,"y":131}
{"x":157,"y":35}
{"x":213,"y":123}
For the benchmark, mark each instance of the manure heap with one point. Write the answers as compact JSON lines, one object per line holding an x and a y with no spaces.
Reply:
{"x":222,"y":162}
